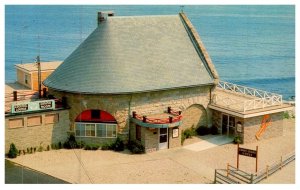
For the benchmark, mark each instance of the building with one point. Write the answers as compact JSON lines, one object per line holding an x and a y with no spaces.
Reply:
{"x":27,"y":73}
{"x":148,"y":78}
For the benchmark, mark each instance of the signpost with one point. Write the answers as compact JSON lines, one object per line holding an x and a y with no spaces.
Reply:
{"x":247,"y":152}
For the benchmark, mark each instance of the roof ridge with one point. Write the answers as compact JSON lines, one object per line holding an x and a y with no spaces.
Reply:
{"x":201,"y":47}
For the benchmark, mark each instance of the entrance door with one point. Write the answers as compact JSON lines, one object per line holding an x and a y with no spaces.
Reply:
{"x":228,"y":124}
{"x":225,"y":122}
{"x":163,"y":138}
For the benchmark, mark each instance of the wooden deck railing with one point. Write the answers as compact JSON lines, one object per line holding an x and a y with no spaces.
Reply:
{"x":255,"y":99}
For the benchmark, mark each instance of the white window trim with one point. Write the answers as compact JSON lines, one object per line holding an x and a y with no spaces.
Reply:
{"x":84,"y":123}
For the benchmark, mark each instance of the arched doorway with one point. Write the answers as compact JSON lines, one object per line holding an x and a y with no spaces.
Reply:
{"x":194,"y":116}
{"x":95,"y":123}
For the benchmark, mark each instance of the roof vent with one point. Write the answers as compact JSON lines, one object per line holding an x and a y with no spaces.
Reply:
{"x":102,"y":16}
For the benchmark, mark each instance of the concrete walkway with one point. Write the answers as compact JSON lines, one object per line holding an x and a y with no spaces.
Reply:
{"x":209,"y":143}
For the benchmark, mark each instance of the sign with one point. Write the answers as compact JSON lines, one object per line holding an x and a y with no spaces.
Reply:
{"x":175,"y":132}
{"x":46,"y":105}
{"x":21,"y":108}
{"x":239,"y":128}
{"x":247,"y":152}
{"x":18,"y":107}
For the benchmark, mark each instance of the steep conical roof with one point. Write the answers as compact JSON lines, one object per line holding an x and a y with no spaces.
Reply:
{"x":133,"y":54}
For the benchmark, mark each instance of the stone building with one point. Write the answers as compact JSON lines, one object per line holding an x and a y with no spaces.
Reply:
{"x":141,"y":64}
{"x":148,"y":78}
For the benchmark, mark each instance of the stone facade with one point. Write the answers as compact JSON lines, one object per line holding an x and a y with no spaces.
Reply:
{"x":147,"y":103}
{"x":194,"y":117}
{"x":150,"y":137}
{"x":175,"y":141}
{"x":252,"y":126}
{"x":46,"y":133}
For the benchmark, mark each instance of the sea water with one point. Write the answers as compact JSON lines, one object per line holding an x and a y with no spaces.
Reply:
{"x":249,"y":45}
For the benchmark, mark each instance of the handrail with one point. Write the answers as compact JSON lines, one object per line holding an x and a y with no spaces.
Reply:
{"x":177,"y":117}
{"x":262,"y":98}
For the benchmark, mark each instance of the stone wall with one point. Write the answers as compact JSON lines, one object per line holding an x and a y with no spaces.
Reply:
{"x":216,"y":120}
{"x":176,"y":141}
{"x":24,"y":136}
{"x":252,"y":126}
{"x":194,"y":117}
{"x":121,"y":106}
{"x":150,"y":139}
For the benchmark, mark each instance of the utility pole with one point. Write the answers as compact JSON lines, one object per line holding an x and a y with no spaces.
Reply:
{"x":39,"y":75}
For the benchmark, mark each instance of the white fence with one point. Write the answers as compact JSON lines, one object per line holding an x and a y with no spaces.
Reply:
{"x":257,"y":99}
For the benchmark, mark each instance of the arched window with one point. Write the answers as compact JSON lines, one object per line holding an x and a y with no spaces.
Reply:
{"x":95,"y":123}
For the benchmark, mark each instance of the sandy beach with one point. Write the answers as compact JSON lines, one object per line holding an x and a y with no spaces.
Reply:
{"x":177,"y":165}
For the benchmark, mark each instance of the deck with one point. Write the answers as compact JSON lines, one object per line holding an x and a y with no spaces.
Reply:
{"x":245,"y":101}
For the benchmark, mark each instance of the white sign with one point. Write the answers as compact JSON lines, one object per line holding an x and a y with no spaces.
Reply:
{"x":18,"y":107}
{"x":239,"y":128}
{"x":175,"y":132}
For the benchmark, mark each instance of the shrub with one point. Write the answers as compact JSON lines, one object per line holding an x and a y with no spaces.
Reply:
{"x":188,"y":133}
{"x":118,"y":145}
{"x":91,"y":147}
{"x":237,"y":140}
{"x":80,"y":144}
{"x":59,"y":145}
{"x":136,"y":147}
{"x":70,"y":142}
{"x":40,"y":149}
{"x":53,"y":146}
{"x":214,"y":130}
{"x":95,"y":146}
{"x":13,"y":151}
{"x":106,"y":146}
{"x":286,"y":115}
{"x":87,"y":147}
{"x":202,"y":130}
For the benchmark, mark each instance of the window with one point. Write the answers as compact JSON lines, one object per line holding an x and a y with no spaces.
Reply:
{"x":138,"y":133}
{"x":101,"y":130}
{"x":95,"y":114}
{"x":111,"y":130}
{"x":231,"y":121}
{"x":26,"y":78}
{"x":90,"y":130}
{"x":80,"y":130}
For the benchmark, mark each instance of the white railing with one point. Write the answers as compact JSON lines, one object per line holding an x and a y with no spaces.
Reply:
{"x":247,"y":90}
{"x":260,"y":99}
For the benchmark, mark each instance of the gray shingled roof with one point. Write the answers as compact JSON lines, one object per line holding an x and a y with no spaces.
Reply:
{"x":132,"y":54}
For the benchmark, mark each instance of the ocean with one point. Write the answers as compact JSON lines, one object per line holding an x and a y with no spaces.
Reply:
{"x":249,"y":45}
